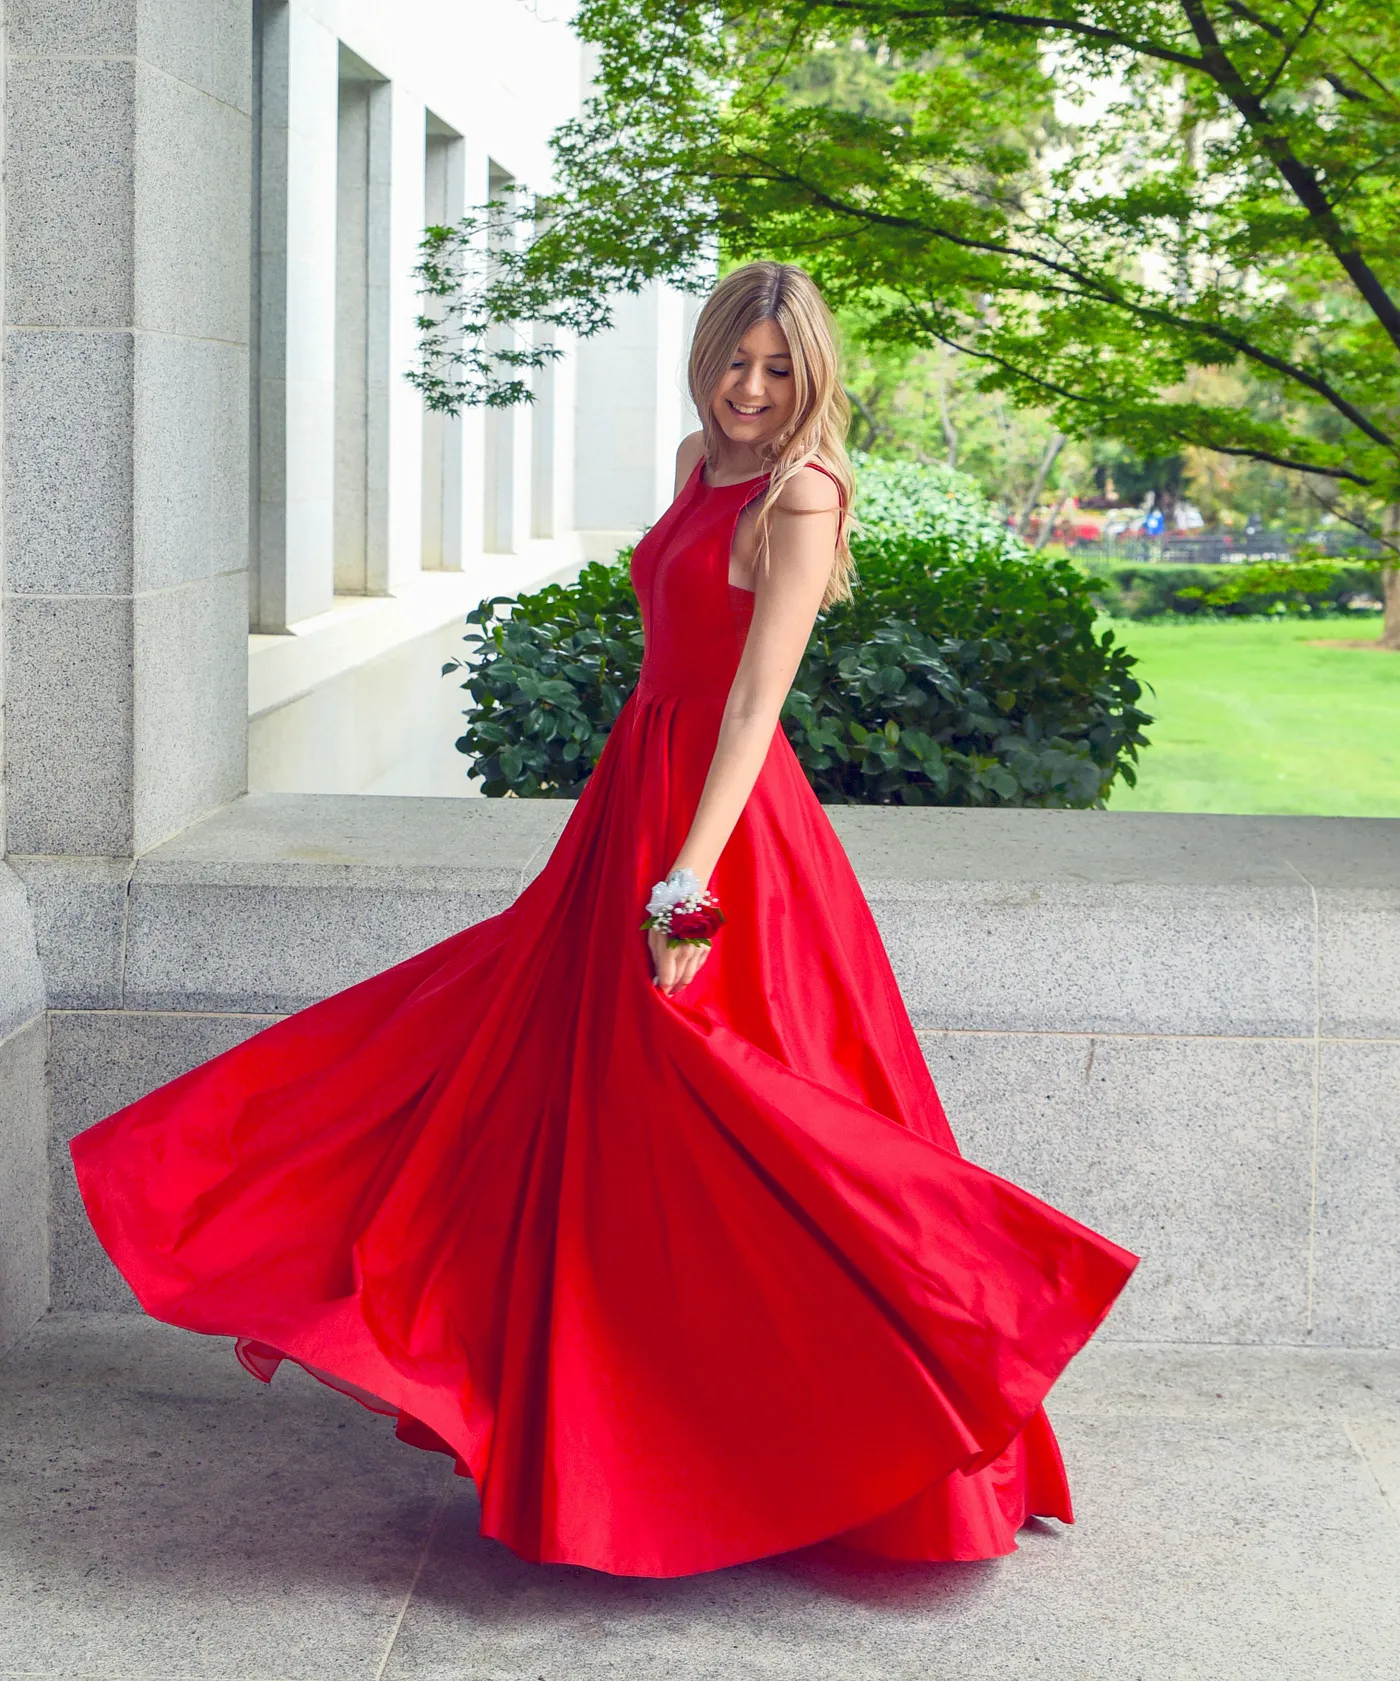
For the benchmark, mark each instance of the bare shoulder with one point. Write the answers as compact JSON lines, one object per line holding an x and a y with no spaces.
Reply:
{"x":809,"y":491}
{"x":690,"y":452}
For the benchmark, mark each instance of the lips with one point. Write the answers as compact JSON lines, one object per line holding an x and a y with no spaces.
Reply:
{"x":745,"y":413}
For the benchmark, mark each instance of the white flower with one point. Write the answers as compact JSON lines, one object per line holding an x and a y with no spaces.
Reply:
{"x":677,"y":888}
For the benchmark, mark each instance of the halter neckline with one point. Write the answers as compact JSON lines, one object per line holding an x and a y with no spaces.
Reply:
{"x":737,"y":485}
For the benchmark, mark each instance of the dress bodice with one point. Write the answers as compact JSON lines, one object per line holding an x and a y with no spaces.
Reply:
{"x":695,"y":620}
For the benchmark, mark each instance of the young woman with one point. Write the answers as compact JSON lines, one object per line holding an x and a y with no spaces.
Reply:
{"x":662,"y":1234}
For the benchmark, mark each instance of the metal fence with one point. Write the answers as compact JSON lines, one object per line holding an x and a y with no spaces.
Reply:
{"x":1212,"y":548}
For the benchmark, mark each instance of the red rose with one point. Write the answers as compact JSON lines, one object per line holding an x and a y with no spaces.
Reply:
{"x":701,"y":924}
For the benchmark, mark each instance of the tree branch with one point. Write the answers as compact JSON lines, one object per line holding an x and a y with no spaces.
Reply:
{"x":1345,"y":89}
{"x":1283,"y":461}
{"x":1306,"y":187}
{"x":1291,"y":48}
{"x":1251,"y":16}
{"x":1054,"y":390}
{"x":1047,"y":461}
{"x":1216,"y":63}
{"x":1362,"y":69}
{"x":1091,"y":286}
{"x":950,"y":433}
{"x":1363,"y":526}
{"x":873,"y":429}
{"x":965,"y":13}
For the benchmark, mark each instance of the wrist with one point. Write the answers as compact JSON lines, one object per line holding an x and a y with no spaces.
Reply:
{"x":683,"y":909}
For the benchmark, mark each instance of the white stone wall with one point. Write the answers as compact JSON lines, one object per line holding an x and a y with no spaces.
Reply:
{"x":374,"y":120}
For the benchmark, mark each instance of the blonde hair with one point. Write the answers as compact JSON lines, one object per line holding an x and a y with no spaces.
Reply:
{"x":787,"y":296}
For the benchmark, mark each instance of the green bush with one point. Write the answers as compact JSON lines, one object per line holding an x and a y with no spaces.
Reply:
{"x":1152,"y":590}
{"x":954,"y":678}
{"x":549,"y":673}
{"x":895,"y":716}
{"x":943,"y":511}
{"x":965,"y":680}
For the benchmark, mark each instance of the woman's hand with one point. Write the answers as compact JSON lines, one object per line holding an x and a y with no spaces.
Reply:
{"x":674,"y":966}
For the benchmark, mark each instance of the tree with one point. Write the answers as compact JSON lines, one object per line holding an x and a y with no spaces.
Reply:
{"x":1102,"y":203}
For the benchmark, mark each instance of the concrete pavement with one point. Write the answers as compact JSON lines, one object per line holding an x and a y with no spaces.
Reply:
{"x":163,"y":1517}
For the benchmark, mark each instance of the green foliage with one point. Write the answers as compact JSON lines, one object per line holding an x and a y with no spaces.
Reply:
{"x":1263,"y":589}
{"x":1102,"y":203}
{"x":965,"y":672}
{"x":549,"y":677}
{"x":902,"y":501}
{"x":1299,"y":587}
{"x":892,"y":715}
{"x":1009,"y":695}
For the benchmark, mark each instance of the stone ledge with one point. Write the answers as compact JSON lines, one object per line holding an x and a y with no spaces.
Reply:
{"x":1001,"y":920}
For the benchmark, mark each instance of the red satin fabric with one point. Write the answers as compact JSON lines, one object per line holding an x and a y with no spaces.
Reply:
{"x":679,"y":1282}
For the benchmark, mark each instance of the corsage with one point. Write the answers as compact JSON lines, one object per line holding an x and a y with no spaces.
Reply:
{"x":687,"y":913}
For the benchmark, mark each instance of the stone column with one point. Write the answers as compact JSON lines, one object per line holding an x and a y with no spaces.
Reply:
{"x":404,"y":217}
{"x":299,"y":75}
{"x":125,"y":432}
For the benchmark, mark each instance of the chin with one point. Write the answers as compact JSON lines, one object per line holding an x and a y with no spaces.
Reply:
{"x":749,"y":433}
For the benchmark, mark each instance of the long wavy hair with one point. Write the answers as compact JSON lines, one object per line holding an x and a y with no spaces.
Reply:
{"x":816,"y":434}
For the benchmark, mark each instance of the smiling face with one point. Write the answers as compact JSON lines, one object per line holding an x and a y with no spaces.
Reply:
{"x":755,"y":397}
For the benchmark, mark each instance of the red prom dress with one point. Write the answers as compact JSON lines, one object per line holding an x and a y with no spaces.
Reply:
{"x":680,"y":1282}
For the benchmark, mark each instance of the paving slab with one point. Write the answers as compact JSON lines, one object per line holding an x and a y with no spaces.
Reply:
{"x":1220,"y":1550}
{"x":163,"y":1517}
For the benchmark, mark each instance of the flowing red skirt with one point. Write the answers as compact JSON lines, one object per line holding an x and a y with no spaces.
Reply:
{"x":679,"y":1282}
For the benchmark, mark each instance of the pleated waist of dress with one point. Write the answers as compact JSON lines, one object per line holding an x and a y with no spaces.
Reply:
{"x":708,"y":689}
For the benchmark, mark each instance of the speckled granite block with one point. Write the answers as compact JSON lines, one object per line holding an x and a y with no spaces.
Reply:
{"x":1357,"y":1266}
{"x":191,"y":713}
{"x":99,"y":1062}
{"x":68,"y":725}
{"x":164,"y":1516}
{"x":79,"y":911}
{"x":1359,"y":962}
{"x":190,"y":475}
{"x":1257,"y":1551}
{"x":68,"y":463}
{"x":1102,"y":957}
{"x":1194,"y":1153}
{"x":21,"y":978}
{"x":87,"y":27}
{"x":193,"y":155}
{"x":284,"y":899}
{"x":70,"y":191}
{"x":24,"y":1212}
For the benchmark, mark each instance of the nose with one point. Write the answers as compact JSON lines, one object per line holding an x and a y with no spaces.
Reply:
{"x":752,"y":383}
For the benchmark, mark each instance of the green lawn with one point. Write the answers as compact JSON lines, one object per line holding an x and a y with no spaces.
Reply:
{"x":1253,"y":717}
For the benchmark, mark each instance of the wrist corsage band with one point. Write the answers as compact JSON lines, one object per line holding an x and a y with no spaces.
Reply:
{"x":687,"y":913}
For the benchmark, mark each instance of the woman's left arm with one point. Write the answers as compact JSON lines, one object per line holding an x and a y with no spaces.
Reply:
{"x":787,"y":597}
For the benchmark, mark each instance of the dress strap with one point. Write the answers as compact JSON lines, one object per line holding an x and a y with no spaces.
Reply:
{"x":841,"y":494}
